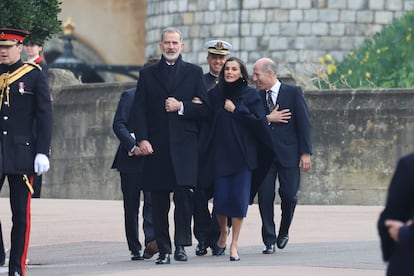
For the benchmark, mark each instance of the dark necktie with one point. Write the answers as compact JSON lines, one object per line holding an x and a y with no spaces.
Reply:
{"x":269,"y":100}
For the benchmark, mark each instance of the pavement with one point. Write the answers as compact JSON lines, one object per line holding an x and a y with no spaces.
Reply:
{"x":86,"y":237}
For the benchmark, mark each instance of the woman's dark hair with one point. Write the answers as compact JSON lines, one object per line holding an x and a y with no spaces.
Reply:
{"x":243,"y":70}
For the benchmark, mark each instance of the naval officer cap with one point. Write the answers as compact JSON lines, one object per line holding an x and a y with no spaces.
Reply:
{"x":218,"y":47}
{"x":10,"y":37}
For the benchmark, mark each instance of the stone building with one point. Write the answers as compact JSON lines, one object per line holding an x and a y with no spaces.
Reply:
{"x":294,"y":32}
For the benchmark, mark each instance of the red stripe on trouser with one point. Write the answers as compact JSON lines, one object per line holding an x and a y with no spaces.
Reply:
{"x":27,"y":233}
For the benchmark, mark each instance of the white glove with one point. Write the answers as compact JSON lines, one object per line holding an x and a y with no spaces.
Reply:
{"x":41,"y":163}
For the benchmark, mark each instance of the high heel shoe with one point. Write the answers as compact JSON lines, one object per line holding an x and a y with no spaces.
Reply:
{"x":218,"y":251}
{"x":235,"y":258}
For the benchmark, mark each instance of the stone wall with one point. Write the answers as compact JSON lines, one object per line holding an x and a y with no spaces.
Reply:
{"x":358,"y":136}
{"x":294,"y":32}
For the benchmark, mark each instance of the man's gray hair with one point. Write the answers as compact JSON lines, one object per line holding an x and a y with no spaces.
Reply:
{"x":171,"y":30}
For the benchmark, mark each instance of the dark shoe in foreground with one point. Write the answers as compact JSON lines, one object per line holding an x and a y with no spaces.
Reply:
{"x":234,"y":258}
{"x":150,"y":250}
{"x":2,"y":260}
{"x":269,"y":249}
{"x":282,"y":240}
{"x":179,"y":254}
{"x":218,"y":251}
{"x":135,"y":256}
{"x":201,"y":249}
{"x":163,"y":259}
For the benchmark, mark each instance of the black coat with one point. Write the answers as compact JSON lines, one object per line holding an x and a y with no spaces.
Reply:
{"x":399,"y":206}
{"x":123,"y":127}
{"x":26,"y":122}
{"x":248,"y":124}
{"x":174,"y":137}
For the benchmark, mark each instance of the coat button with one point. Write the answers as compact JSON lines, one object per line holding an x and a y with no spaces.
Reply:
{"x":5,"y":118}
{"x":4,"y":132}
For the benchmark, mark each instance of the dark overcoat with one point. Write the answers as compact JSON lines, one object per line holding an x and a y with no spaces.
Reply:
{"x":174,"y":137}
{"x":399,"y":206}
{"x":249,"y":125}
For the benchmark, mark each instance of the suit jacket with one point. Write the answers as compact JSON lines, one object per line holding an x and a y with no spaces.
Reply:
{"x":291,"y":139}
{"x":399,"y":206}
{"x":26,"y":121}
{"x":123,"y":127}
{"x":174,"y":137}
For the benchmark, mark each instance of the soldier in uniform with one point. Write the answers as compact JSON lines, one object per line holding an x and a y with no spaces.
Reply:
{"x":25,"y":131}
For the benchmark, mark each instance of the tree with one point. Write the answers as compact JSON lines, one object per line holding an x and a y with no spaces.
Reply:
{"x":38,"y":17}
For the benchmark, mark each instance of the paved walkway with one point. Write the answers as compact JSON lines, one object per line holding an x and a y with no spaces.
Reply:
{"x":86,"y":237}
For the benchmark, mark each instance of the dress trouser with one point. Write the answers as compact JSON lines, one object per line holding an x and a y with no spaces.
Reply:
{"x":206,"y":228}
{"x":289,"y":182}
{"x":20,"y":199}
{"x":183,"y":201}
{"x":131,"y":190}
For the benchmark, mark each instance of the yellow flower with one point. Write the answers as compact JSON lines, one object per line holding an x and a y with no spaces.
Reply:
{"x":349,"y":72}
{"x":328,"y":57}
{"x":342,"y":76}
{"x":351,"y":54}
{"x":368,"y":75}
{"x":408,"y":37}
{"x":321,"y":60}
{"x":331,"y":69}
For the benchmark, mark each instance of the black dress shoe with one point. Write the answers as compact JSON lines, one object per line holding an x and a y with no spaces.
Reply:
{"x":135,"y":256}
{"x":218,"y":251}
{"x":201,"y":249}
{"x":282,"y":240}
{"x":150,"y":249}
{"x":269,"y":249}
{"x":179,"y":254}
{"x":234,"y":258}
{"x":163,"y":259}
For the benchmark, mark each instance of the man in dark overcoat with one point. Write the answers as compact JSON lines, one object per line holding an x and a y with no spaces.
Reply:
{"x":166,"y":127}
{"x":395,"y":224}
{"x":26,"y":132}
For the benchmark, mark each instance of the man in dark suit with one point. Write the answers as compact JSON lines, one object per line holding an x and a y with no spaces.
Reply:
{"x":26,"y":132}
{"x":290,"y":126}
{"x":128,"y":161}
{"x":166,"y":127}
{"x":395,"y":224}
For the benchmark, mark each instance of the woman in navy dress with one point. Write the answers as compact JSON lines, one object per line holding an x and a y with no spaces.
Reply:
{"x":239,"y":127}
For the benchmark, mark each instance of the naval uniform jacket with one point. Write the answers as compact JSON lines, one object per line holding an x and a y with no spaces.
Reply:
{"x":174,"y":137}
{"x":26,"y":120}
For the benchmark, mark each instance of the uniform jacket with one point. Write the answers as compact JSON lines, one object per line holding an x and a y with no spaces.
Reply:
{"x":291,"y":139}
{"x":26,"y":123}
{"x":174,"y":137}
{"x":399,"y":206}
{"x":249,"y":127}
{"x":123,"y":127}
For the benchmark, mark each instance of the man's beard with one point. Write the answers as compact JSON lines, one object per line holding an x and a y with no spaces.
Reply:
{"x":171,"y":56}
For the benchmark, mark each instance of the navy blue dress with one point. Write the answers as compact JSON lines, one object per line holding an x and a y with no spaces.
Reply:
{"x":234,"y":143}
